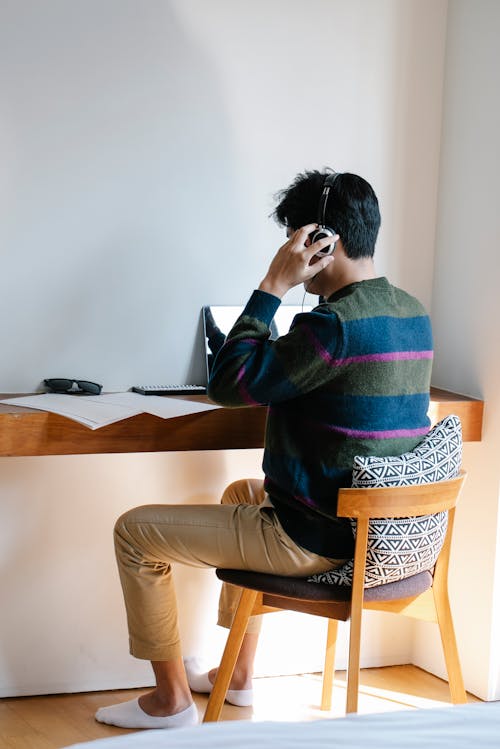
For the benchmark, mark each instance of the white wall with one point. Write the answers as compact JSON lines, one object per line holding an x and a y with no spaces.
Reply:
{"x":465,"y":312}
{"x":63,"y":621}
{"x":141,"y":145}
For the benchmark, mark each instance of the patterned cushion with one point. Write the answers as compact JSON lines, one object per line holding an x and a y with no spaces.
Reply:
{"x":436,"y":458}
{"x":401,"y":547}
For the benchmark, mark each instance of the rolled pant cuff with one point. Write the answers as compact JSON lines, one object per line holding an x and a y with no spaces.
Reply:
{"x":165,"y":653}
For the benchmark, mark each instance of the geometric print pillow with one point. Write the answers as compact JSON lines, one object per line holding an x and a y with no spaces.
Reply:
{"x":436,"y":458}
{"x":401,"y":547}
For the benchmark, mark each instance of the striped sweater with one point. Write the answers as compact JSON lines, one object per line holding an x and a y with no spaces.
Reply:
{"x":351,"y":378}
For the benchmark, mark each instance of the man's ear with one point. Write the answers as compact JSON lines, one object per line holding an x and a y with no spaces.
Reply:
{"x":339,"y":248}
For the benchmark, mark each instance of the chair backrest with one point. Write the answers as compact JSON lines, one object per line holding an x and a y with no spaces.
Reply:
{"x":395,"y":501}
{"x":399,"y":501}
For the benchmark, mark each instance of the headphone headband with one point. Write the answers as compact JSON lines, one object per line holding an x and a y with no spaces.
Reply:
{"x":323,"y":230}
{"x":327,"y":184}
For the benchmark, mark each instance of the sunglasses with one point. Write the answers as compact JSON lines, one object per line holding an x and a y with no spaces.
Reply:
{"x":63,"y":385}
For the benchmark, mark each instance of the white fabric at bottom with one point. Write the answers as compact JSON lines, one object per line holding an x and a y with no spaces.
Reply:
{"x":460,"y":727}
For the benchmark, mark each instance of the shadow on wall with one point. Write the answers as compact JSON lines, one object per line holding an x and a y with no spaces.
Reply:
{"x":119,"y":166}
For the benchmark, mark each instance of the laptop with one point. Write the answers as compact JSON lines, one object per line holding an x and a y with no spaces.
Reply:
{"x":219,"y":319}
{"x":217,"y":322}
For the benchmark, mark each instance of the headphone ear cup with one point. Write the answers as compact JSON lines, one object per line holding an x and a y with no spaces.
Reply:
{"x":321,"y":233}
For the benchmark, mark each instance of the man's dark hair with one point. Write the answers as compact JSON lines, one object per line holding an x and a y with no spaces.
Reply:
{"x":352,"y":209}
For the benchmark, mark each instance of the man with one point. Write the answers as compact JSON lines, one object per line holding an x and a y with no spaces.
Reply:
{"x":351,"y":378}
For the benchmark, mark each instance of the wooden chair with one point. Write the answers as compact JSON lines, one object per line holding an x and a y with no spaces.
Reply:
{"x":422,"y":596}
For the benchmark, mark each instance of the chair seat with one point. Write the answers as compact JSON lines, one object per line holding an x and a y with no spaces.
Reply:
{"x":300,"y":588}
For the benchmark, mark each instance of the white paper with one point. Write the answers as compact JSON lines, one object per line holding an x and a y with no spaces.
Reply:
{"x":164,"y":406}
{"x":168,"y":408}
{"x":94,"y":411}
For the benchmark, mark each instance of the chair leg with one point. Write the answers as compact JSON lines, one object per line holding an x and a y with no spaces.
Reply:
{"x":449,"y":642}
{"x":353,"y":667}
{"x":356,"y":614}
{"x":230,"y":655}
{"x":329,"y":669}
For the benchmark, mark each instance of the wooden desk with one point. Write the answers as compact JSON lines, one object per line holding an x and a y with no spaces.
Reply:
{"x":28,"y":432}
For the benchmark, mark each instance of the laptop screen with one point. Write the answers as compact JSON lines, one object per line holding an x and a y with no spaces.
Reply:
{"x":219,"y":319}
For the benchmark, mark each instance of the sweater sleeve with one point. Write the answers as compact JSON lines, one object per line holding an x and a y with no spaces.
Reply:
{"x":250,"y":369}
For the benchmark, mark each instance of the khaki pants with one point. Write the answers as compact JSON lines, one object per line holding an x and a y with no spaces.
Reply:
{"x":242,"y":532}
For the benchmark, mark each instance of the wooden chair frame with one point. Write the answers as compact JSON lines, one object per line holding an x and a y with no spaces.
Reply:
{"x":431,"y":605}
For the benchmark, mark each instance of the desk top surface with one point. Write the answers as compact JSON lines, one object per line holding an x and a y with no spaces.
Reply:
{"x":26,"y":431}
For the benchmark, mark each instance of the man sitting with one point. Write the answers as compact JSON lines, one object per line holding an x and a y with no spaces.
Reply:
{"x":351,"y":378}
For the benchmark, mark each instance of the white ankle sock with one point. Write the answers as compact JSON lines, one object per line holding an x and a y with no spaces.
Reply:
{"x":131,"y":715}
{"x":197,"y":676}
{"x":240,"y":697}
{"x":199,"y":682}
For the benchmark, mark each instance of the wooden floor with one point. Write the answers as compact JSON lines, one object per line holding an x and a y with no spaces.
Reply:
{"x":53,"y":722}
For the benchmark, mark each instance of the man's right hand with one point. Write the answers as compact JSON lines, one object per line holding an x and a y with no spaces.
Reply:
{"x":296,"y":262}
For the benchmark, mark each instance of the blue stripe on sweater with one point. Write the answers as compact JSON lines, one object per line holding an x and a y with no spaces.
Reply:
{"x":387,"y":334}
{"x":374,"y":412}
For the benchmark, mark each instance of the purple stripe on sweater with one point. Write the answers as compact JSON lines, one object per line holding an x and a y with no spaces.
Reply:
{"x":386,"y":434}
{"x":250,"y":341}
{"x":305,"y":500}
{"x":243,"y":389}
{"x":320,"y":350}
{"x":268,"y":485}
{"x":379,"y":357}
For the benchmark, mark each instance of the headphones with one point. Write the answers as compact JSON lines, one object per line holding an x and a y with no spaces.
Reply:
{"x":323,"y":230}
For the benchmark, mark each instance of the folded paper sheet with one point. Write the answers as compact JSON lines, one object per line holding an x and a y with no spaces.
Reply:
{"x":94,"y":411}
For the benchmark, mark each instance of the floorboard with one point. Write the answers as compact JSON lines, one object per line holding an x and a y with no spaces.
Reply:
{"x":56,"y":721}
